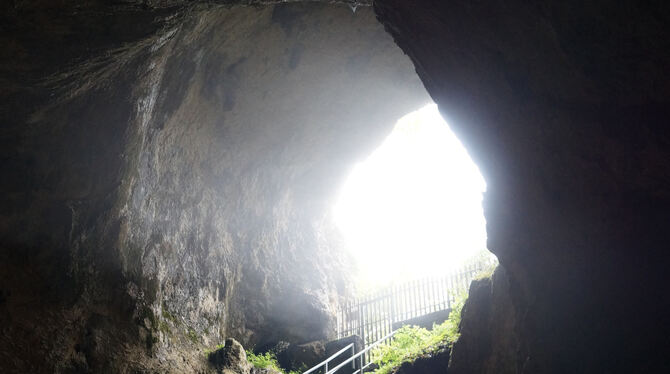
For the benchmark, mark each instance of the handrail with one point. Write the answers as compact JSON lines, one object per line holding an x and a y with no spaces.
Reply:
{"x":363,"y":369}
{"x":326,"y":361}
{"x":360,"y":353}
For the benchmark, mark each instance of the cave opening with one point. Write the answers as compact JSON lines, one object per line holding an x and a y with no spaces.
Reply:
{"x":413,"y":207}
{"x":169,"y":169}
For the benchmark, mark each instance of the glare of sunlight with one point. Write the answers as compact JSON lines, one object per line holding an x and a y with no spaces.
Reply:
{"x":414,"y":207}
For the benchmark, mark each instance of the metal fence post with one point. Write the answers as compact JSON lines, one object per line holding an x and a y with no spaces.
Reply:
{"x":362,"y":321}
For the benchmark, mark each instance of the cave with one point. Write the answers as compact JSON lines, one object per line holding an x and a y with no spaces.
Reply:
{"x":167,"y":168}
{"x":412,"y":210}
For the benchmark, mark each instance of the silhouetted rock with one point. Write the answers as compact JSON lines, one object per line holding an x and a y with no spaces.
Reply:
{"x":429,"y":364}
{"x":488,"y":338}
{"x":565,"y":108}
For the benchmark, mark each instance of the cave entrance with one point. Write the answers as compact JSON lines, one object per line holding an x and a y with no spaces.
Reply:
{"x":413,"y":208}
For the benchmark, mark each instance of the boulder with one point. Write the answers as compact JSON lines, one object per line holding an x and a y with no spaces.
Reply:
{"x":429,"y":364}
{"x":231,"y":359}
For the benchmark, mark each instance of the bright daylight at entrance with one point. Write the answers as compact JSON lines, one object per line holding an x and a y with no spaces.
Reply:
{"x":413,"y":208}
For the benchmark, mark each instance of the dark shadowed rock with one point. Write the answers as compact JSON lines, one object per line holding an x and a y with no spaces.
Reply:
{"x":305,"y":355}
{"x":565,"y":108}
{"x":489,"y":341}
{"x":335,"y":346}
{"x":429,"y":364}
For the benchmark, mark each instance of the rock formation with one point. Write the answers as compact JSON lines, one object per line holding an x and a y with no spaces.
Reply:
{"x":565,"y":107}
{"x":167,"y":167}
{"x":168,"y":174}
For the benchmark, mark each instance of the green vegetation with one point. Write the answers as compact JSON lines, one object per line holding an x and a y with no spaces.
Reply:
{"x":146,"y":314}
{"x":164,"y":327}
{"x":486,"y":273}
{"x":169,"y":316}
{"x":210,"y":351}
{"x":192,"y":336}
{"x":412,"y":342}
{"x":163,"y":324}
{"x":266,"y":360}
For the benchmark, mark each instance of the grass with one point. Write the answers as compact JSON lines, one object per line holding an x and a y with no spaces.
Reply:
{"x":412,"y":342}
{"x":169,"y":316}
{"x":164,"y":327}
{"x":486,"y":273}
{"x":408,"y":344}
{"x":260,"y":361}
{"x":210,"y":351}
{"x":192,"y":336}
{"x":266,"y":360}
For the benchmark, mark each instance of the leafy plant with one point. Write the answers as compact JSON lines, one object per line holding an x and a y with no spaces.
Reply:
{"x":412,"y":342}
{"x":192,"y":336}
{"x":210,"y":351}
{"x":266,"y":360}
{"x":486,"y":272}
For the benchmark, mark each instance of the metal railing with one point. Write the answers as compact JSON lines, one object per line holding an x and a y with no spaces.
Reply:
{"x":375,"y":315}
{"x":361,"y":355}
{"x":326,"y":361}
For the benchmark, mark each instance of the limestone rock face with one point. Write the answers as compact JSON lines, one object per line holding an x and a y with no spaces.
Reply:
{"x":565,"y":108}
{"x":168,"y":172}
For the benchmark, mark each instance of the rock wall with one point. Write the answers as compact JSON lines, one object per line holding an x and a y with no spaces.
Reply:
{"x":165,"y":173}
{"x":489,"y":340}
{"x":564,"y":106}
{"x":168,"y":171}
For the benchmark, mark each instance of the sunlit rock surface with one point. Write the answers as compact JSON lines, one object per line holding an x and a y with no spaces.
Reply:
{"x":167,"y":174}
